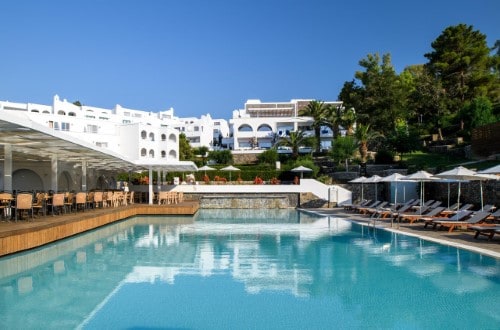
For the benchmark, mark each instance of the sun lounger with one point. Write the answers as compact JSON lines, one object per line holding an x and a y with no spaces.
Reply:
{"x":384,"y":213}
{"x":459,"y":216}
{"x":372,"y":210}
{"x":420,"y":212}
{"x":431,"y":213}
{"x":475,"y":219}
{"x":350,"y":207}
{"x":489,"y":231}
{"x":374,"y":204}
{"x":488,"y":208}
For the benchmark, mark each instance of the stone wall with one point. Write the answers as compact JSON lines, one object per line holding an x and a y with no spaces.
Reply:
{"x":245,"y":201}
{"x":470,"y":192}
{"x":245,"y":158}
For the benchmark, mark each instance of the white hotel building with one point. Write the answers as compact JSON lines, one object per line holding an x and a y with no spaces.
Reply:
{"x":59,"y":142}
{"x":52,"y":152}
{"x":259,"y":124}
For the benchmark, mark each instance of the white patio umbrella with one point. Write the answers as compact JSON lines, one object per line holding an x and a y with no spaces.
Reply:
{"x":395,"y":177}
{"x":361,"y":180}
{"x":462,"y":173}
{"x":301,"y":169}
{"x":421,"y":176}
{"x":374,"y":179}
{"x":206,"y":168}
{"x":230,"y":169}
{"x":491,"y":170}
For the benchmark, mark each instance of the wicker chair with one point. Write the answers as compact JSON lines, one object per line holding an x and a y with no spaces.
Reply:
{"x":81,"y":201}
{"x":58,"y":203}
{"x":24,"y":203}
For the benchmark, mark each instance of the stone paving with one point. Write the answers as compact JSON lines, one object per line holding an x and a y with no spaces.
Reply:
{"x":459,"y":238}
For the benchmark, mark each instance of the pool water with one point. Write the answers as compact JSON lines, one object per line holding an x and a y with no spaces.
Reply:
{"x":260,"y":269}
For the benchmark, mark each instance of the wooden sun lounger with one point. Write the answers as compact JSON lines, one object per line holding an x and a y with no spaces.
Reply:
{"x":374,"y":204}
{"x":421,"y":212}
{"x":350,"y":207}
{"x":459,"y":216}
{"x":475,"y":219}
{"x":488,"y":231}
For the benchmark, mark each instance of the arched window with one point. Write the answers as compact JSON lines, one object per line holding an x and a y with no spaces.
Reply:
{"x":245,"y":128}
{"x":144,"y":135}
{"x":151,"y":136}
{"x":45,"y":111}
{"x":163,"y":154}
{"x":72,"y":114}
{"x":35,"y":110}
{"x":172,"y":138}
{"x":163,"y":137}
{"x":143,"y":152}
{"x":264,"y":128}
{"x":61,"y":112}
{"x":172,"y":154}
{"x":151,"y":153}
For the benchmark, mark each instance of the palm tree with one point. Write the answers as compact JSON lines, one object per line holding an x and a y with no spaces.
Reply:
{"x":348,"y":119}
{"x":333,"y":119}
{"x":364,"y":135}
{"x":296,"y":140}
{"x":318,"y":110}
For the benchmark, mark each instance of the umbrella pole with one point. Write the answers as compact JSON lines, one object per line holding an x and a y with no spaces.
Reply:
{"x":458,"y":199}
{"x":481,"y":191}
{"x":448,"y":195}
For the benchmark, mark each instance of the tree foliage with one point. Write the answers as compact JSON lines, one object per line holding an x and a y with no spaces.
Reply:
{"x":221,"y":156}
{"x":296,"y":140}
{"x":185,"y":150}
{"x":461,"y":61}
{"x":318,"y":110}
{"x":344,"y":148}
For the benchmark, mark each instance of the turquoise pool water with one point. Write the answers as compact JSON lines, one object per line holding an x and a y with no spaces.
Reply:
{"x":257,"y":269}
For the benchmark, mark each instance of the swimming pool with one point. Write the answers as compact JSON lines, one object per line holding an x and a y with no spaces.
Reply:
{"x":247,"y":269}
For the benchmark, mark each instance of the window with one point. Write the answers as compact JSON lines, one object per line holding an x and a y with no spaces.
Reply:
{"x":172,"y":154}
{"x":61,"y":112}
{"x":126,"y":114}
{"x":91,"y":129}
{"x":126,"y":121}
{"x":264,"y":128}
{"x":245,"y":128}
{"x":72,"y":114}
{"x":172,"y":138}
{"x":102,"y":144}
{"x":163,"y":154}
{"x":144,"y":135}
{"x":151,"y":136}
{"x":163,"y":137}
{"x":143,"y":152}
{"x":196,"y":128}
{"x":64,"y":126}
{"x":151,"y":153}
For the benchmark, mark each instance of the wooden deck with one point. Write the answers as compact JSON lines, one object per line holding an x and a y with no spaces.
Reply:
{"x":24,"y":235}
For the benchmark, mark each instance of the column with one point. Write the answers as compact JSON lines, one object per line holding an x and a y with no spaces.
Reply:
{"x":53,"y":177}
{"x":150,"y":185}
{"x":7,"y":167}
{"x":84,"y":175}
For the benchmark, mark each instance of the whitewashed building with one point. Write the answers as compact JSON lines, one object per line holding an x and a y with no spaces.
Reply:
{"x":259,"y":124}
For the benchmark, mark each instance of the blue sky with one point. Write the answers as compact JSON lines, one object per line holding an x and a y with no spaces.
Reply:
{"x":201,"y":56}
